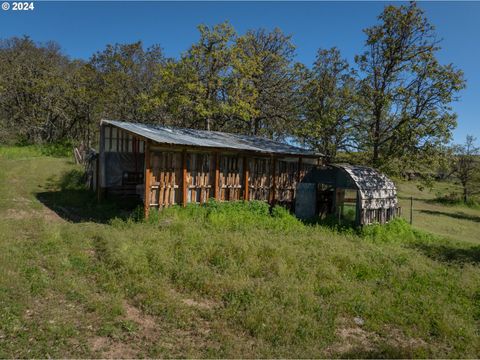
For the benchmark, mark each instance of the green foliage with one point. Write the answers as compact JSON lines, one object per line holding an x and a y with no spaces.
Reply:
{"x":63,"y":149}
{"x":454,"y":198}
{"x":265,"y":83}
{"x":20,"y":152}
{"x":329,"y":105}
{"x":59,"y":149}
{"x":72,"y":180}
{"x":466,"y":167}
{"x":393,"y":110}
{"x":38,"y":103}
{"x":397,"y":230}
{"x":405,"y":93}
{"x":234,"y":215}
{"x":123,"y":75}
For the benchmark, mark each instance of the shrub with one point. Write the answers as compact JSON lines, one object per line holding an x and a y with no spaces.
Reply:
{"x":397,"y":230}
{"x":232,"y":216}
{"x":455,"y":199}
{"x":61,"y":149}
{"x":25,"y":150}
{"x":72,"y":180}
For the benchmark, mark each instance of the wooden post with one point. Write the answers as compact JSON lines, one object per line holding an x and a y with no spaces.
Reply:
{"x":184,"y":179}
{"x":245,"y":178}
{"x":299,"y":175}
{"x":147,"y":180}
{"x":101,"y":164}
{"x":358,"y":209}
{"x":274,"y":180}
{"x":110,"y":138}
{"x":411,"y":210}
{"x":216,"y":182}
{"x":97,"y":177}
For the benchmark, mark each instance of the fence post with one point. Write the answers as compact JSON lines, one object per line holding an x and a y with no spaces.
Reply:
{"x":411,"y":210}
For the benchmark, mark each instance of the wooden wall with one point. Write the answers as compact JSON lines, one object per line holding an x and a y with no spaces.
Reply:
{"x":181,"y":177}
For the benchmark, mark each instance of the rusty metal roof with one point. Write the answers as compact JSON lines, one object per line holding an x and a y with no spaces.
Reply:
{"x":213,"y":139}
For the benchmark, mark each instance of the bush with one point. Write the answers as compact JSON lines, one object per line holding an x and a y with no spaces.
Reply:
{"x":63,"y":149}
{"x":72,"y":180}
{"x":455,"y":199}
{"x":232,"y":216}
{"x":23,"y":150}
{"x":397,"y":230}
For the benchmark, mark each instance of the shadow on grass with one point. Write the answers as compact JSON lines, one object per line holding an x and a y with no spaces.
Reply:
{"x":414,"y":199}
{"x":456,"y":215}
{"x":455,"y":201}
{"x":383,"y":351}
{"x":331,"y":222}
{"x":450,"y":254}
{"x":68,"y":198}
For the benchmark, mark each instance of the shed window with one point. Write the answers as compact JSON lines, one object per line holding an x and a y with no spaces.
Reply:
{"x":114,"y":142}
{"x":130,"y":145}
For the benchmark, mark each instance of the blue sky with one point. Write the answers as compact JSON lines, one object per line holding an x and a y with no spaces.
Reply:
{"x":82,"y":28}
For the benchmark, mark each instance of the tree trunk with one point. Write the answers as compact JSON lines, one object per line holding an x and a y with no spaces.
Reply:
{"x":376,"y":137}
{"x":375,"y":153}
{"x":465,"y":193}
{"x":255,"y":126}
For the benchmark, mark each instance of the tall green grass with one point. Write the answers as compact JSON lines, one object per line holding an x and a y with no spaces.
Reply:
{"x":29,"y":151}
{"x":292,"y":285}
{"x":221,"y":280}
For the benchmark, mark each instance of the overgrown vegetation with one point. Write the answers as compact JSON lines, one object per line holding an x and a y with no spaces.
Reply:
{"x":220,"y":280}
{"x":24,"y":150}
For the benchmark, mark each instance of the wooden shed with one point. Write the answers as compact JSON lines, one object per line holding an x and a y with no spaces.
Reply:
{"x":352,"y":193}
{"x":165,"y":166}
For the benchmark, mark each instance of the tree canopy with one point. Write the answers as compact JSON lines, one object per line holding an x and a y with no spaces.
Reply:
{"x":392,"y":106}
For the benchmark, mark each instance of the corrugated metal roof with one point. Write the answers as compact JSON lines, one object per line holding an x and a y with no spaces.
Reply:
{"x":214,"y":139}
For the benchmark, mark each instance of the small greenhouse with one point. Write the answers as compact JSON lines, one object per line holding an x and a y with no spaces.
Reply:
{"x":351,"y":193}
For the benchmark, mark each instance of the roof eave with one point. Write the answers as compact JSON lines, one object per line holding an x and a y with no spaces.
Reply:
{"x":304,"y":155}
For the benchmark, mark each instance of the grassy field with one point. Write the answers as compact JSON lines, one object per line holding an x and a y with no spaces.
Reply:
{"x":233,"y":280}
{"x":452,"y":221}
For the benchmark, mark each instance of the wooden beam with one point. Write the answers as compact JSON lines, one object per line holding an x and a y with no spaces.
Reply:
{"x":100,"y":164}
{"x":147,"y":181}
{"x":274,"y":180}
{"x":97,"y":178}
{"x":184,"y":179}
{"x":245,"y":178}
{"x":216,"y":189}
{"x":110,"y":129}
{"x":299,"y":169}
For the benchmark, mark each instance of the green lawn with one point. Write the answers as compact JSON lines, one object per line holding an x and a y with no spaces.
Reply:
{"x":233,"y":280}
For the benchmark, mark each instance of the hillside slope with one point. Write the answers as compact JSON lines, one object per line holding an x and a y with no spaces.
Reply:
{"x":218,"y":281}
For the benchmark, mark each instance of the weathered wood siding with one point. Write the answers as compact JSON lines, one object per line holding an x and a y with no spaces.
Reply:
{"x":200,"y":177}
{"x":260,"y":178}
{"x":231,"y":180}
{"x":223,"y":176}
{"x":166,"y":175}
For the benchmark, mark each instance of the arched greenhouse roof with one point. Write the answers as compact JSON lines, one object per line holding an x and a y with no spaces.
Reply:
{"x":376,"y":189}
